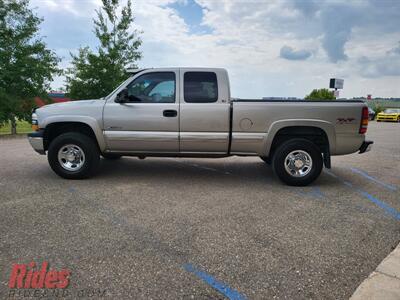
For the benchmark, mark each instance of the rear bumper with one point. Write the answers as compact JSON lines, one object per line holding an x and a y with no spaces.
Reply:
{"x":365,"y":146}
{"x":36,"y":141}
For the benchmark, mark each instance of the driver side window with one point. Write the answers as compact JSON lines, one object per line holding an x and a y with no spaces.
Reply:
{"x":158,"y":87}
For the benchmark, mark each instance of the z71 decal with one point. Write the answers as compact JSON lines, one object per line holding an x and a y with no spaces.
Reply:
{"x":345,"y":120}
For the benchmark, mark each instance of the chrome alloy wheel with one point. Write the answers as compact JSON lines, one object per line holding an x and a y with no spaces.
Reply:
{"x":298,"y":163}
{"x":71,"y":157}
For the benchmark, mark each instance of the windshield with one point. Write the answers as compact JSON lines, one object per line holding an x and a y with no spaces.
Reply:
{"x":123,"y":83}
{"x":392,"y":111}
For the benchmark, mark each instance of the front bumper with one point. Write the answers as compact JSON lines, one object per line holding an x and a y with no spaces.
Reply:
{"x":365,"y":146}
{"x":36,"y":141}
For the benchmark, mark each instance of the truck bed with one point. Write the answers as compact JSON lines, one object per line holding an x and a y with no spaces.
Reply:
{"x":256,"y":121}
{"x":296,"y":100}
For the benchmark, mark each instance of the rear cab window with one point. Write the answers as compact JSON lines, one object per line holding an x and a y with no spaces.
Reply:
{"x":200,"y":87}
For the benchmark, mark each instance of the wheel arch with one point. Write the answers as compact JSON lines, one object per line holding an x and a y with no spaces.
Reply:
{"x":319,"y":132}
{"x":89,"y":128}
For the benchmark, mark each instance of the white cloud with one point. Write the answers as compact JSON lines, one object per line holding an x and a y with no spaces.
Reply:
{"x":346,"y":39}
{"x":82,"y":8}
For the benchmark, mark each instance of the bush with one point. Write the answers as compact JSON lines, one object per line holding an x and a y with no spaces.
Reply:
{"x":377,"y":108}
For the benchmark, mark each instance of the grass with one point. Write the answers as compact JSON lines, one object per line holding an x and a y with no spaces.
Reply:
{"x":381,"y":105}
{"x":22,"y":127}
{"x":385,"y":103}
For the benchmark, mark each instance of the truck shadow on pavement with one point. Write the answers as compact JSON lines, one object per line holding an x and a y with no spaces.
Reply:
{"x":207,"y":171}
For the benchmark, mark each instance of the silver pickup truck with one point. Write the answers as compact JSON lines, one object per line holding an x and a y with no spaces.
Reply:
{"x":189,"y":112}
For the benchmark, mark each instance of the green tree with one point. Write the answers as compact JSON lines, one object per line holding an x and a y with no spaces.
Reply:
{"x":26,"y":65}
{"x":321,"y":94}
{"x":96,"y":74}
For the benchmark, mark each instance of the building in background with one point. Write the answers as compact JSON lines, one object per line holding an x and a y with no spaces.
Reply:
{"x":55,"y":96}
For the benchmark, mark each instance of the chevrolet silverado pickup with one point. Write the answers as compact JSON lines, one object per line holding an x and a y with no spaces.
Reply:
{"x":189,"y":112}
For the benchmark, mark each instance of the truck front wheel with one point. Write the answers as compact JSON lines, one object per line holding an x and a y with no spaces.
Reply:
{"x":297,"y":162}
{"x":267,"y":160}
{"x":73,"y":155}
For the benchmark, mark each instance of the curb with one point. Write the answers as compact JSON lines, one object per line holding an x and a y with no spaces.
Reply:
{"x":384,"y":282}
{"x":7,"y":136}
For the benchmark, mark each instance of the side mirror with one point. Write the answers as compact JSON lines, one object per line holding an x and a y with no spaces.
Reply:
{"x":122,"y":96}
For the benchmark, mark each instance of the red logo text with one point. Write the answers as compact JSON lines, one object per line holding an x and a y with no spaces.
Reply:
{"x":29,"y":276}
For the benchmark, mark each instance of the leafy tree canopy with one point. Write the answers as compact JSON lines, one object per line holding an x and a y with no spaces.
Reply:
{"x":26,"y":65}
{"x":321,"y":94}
{"x":96,"y":74}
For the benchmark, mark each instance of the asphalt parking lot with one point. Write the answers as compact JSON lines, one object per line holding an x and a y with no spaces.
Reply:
{"x":166,"y":228}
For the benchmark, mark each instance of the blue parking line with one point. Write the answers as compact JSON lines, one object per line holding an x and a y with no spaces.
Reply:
{"x":317,"y":193}
{"x":314,"y":192}
{"x":364,"y":174}
{"x":214,"y":283}
{"x":388,"y":209}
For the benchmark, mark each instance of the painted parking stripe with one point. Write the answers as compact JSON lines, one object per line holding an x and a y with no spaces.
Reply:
{"x":214,"y":283}
{"x":369,"y":177}
{"x":314,"y":192}
{"x":388,"y":209}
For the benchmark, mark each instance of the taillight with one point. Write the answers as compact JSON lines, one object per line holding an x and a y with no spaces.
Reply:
{"x":364,"y":120}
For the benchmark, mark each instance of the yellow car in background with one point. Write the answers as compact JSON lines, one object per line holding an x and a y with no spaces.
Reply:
{"x":389,"y":114}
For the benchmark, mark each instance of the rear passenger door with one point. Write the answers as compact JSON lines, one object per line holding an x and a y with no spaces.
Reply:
{"x":204,"y":113}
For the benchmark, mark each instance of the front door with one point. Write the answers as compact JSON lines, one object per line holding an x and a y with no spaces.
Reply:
{"x":150,"y":121}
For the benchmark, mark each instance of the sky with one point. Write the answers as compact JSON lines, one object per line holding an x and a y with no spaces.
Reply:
{"x":270,"y":48}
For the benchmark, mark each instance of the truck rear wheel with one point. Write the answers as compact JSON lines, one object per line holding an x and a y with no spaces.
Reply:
{"x":297,"y":162}
{"x":73,"y":155}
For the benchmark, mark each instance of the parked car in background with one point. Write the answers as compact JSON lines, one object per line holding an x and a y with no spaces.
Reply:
{"x":389,"y":114}
{"x":371,"y":114}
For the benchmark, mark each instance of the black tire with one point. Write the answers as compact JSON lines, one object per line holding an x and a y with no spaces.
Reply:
{"x":267,"y":160}
{"x":280,"y":154}
{"x":89,"y":148}
{"x":111,"y":156}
